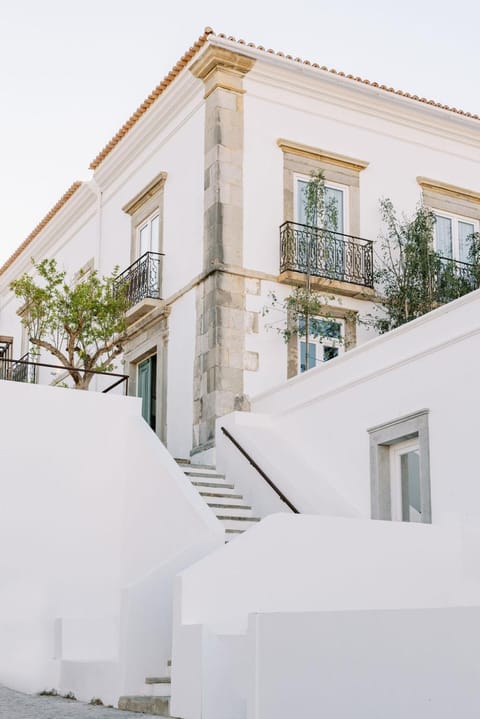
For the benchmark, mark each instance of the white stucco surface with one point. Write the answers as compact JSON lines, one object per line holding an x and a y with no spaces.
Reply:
{"x":94,"y":509}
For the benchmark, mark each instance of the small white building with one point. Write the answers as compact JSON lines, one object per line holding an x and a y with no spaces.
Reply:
{"x":204,"y":183}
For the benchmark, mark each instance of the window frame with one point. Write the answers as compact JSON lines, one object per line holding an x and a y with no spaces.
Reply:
{"x":323,"y":342}
{"x":455,"y":219}
{"x":299,"y":177}
{"x":382,"y":439}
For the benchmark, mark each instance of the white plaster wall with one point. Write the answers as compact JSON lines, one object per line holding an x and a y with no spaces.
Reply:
{"x":399,"y":145}
{"x":365,"y":664}
{"x":428,"y":364}
{"x":311,"y":563}
{"x":92,"y":504}
{"x":181,"y":358}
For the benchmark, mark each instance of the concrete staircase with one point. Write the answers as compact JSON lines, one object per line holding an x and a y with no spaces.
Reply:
{"x":226,"y":503}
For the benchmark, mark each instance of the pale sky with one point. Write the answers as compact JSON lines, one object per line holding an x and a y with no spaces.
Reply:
{"x":72,"y":73}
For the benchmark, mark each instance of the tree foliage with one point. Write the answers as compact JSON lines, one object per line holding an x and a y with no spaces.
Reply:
{"x":82,"y":325}
{"x":412,"y":278}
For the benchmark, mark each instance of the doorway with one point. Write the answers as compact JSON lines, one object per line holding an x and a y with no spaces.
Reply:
{"x":147,"y":390}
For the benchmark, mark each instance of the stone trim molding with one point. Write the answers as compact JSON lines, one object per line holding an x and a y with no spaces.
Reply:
{"x":221,"y":68}
{"x":313,"y":153}
{"x":444,"y":188}
{"x":149,"y":191}
{"x":384,"y":436}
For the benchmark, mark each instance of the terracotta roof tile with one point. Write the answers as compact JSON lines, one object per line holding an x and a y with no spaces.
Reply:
{"x":56,"y":208}
{"x":202,"y":40}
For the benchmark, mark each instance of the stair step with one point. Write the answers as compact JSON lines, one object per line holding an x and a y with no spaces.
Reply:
{"x":238,"y":518}
{"x":220,"y":495}
{"x":157,"y":680}
{"x":190,"y":465}
{"x":208,"y":475}
{"x":215,"y":505}
{"x":159,"y":706}
{"x":218,"y":485}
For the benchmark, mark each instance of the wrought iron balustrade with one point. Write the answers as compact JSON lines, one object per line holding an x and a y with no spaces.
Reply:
{"x":326,"y":253}
{"x":21,"y":370}
{"x":25,"y":369}
{"x":142,"y":280}
{"x":453,"y":278}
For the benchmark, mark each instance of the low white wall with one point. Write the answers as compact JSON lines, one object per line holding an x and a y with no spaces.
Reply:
{"x":309,"y":563}
{"x":340,"y":665}
{"x":91,"y":503}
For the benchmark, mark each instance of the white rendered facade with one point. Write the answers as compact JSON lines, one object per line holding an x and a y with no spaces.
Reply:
{"x":278,"y":120}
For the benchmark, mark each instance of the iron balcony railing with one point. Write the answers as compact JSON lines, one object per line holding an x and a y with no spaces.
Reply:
{"x":26,"y":370}
{"x":326,"y":253}
{"x":453,"y":278}
{"x":142,"y":280}
{"x":21,"y":370}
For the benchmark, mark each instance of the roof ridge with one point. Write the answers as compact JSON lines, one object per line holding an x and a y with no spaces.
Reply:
{"x":188,"y":55}
{"x":349,"y":76}
{"x":50,"y":214}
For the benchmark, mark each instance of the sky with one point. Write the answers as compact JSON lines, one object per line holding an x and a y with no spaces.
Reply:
{"x":72,"y":73}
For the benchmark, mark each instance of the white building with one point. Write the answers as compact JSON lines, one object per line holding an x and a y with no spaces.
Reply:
{"x":205,"y":172}
{"x":116,"y":565}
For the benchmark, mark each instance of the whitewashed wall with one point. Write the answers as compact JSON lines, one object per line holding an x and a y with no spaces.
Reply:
{"x":93,"y":506}
{"x":357,"y":664}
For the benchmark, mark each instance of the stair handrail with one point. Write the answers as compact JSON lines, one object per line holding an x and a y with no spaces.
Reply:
{"x":260,"y":471}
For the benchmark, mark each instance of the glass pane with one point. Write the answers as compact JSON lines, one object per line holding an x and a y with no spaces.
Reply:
{"x":301,"y":200}
{"x":443,"y":236}
{"x":144,"y":240}
{"x":329,"y":353}
{"x":325,"y":328}
{"x":334,"y":199}
{"x":155,"y":237}
{"x":465,"y":232}
{"x":410,"y":480}
{"x":312,"y":356}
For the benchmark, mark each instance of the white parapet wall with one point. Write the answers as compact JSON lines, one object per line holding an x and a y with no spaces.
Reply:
{"x":96,"y":519}
{"x":302,"y":564}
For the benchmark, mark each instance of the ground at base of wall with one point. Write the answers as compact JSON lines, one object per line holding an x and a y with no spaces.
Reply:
{"x":30,"y":706}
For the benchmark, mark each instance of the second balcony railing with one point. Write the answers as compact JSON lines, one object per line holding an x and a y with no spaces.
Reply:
{"x":142,"y":280}
{"x":326,"y":253}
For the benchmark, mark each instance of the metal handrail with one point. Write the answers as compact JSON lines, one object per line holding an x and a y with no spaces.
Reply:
{"x":122,"y":377}
{"x":260,"y":471}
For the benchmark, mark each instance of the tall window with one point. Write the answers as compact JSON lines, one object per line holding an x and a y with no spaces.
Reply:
{"x":148,"y":234}
{"x":405,"y":481}
{"x":335,"y":194}
{"x":453,"y":236}
{"x":326,"y":340}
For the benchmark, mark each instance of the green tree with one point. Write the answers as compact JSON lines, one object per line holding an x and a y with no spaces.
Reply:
{"x":412,"y":279}
{"x":82,"y":325}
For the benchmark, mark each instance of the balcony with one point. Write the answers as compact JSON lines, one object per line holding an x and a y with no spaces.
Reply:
{"x":453,"y":279}
{"x":22,"y":370}
{"x":141,"y":283}
{"x":335,"y":261}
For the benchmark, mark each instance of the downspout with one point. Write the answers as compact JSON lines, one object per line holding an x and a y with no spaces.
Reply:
{"x":93,"y":186}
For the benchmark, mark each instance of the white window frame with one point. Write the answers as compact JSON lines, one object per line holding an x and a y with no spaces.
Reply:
{"x":334,"y":185}
{"x":322,"y":342}
{"x":455,"y":219}
{"x":145,"y":223}
{"x":396,"y":452}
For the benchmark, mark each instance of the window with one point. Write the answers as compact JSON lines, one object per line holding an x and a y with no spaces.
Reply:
{"x":335,"y":194}
{"x":453,"y":236}
{"x":326,"y":339}
{"x":400,"y":469}
{"x":148,"y":235}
